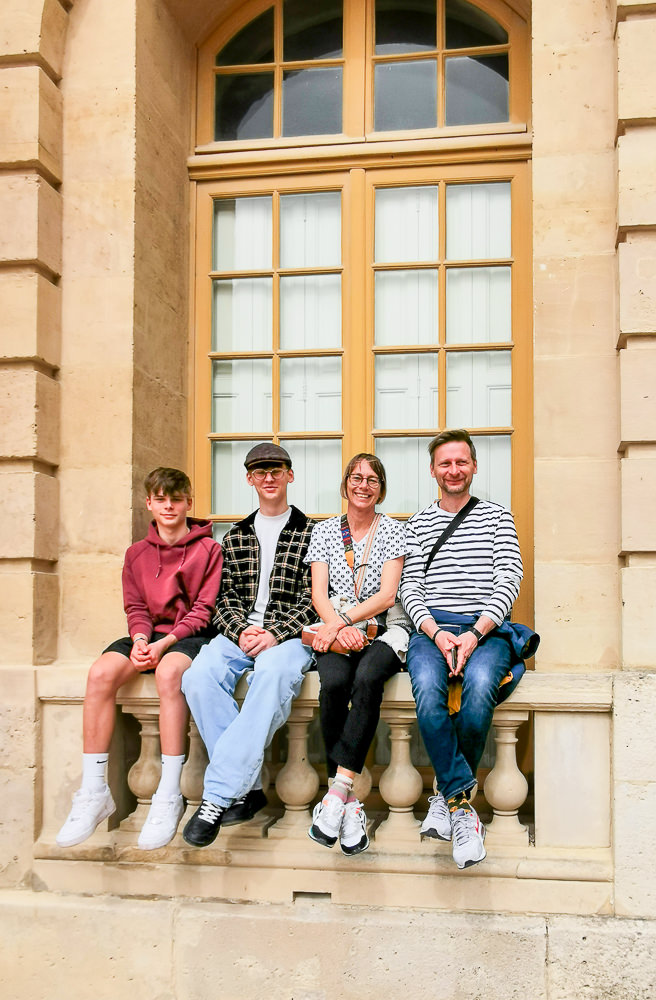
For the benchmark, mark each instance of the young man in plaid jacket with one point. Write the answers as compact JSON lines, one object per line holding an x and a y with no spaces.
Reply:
{"x":263,"y":605}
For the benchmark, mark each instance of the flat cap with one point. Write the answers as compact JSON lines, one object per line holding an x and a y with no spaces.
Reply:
{"x":267,"y":453}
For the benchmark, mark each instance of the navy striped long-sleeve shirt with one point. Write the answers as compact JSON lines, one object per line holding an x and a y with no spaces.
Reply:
{"x":478,"y":570}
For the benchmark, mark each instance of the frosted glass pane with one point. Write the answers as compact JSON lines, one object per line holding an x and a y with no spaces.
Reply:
{"x":409,"y":483}
{"x":311,"y":311}
{"x":477,"y":221}
{"x":478,"y":389}
{"x":253,"y":44}
{"x":241,"y":316}
{"x":493,"y":479}
{"x":241,"y":396}
{"x":406,"y":391}
{"x":476,"y":89}
{"x":468,"y":27}
{"x":317,"y":474}
{"x":410,"y":26}
{"x":220,"y":529}
{"x":478,"y":305}
{"x":311,"y":30}
{"x":312,"y":101}
{"x":311,"y":230}
{"x":405,"y":95}
{"x":311,"y":394}
{"x":231,"y":494}
{"x":406,"y":224}
{"x":243,"y":106}
{"x":242,"y":234}
{"x":406,"y":307}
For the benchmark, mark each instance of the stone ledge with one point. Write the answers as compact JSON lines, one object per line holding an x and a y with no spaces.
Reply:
{"x":590,"y":692}
{"x":471,"y":890}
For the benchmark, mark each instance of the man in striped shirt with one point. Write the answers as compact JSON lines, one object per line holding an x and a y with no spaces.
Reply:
{"x":456,"y":601}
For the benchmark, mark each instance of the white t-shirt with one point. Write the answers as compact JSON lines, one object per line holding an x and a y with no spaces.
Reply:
{"x":268,"y":531}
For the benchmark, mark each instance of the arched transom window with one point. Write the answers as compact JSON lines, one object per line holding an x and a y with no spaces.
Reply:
{"x":333,"y":68}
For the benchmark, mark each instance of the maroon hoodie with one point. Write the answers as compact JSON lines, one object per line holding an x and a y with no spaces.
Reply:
{"x":172,"y":588}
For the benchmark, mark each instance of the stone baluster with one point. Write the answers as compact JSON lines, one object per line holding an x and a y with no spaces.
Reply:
{"x":400,"y":784}
{"x":297,"y":782}
{"x":193,"y":772}
{"x":362,"y":784}
{"x":506,"y":787}
{"x":144,"y":775}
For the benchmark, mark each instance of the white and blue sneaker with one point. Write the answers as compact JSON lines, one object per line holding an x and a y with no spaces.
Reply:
{"x":327,"y":820}
{"x":437,"y":823}
{"x":353,"y":836}
{"x":468,"y":834}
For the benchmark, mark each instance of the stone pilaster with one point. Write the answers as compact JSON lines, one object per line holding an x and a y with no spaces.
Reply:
{"x":633,"y":773}
{"x":30,"y":325}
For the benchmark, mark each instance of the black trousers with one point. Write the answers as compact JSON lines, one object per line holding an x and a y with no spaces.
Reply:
{"x":357,"y":679}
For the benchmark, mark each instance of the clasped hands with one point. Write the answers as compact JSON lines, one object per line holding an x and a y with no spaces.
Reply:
{"x":447,"y":642}
{"x":350,"y":636}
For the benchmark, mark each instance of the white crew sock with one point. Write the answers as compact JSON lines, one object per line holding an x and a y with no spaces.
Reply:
{"x":169,"y":783}
{"x":94,"y":767}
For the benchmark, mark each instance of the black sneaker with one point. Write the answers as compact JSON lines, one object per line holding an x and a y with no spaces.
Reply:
{"x":204,"y":825}
{"x":244,"y":809}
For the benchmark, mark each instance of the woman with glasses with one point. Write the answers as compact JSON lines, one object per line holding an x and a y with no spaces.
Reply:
{"x":356,"y":564}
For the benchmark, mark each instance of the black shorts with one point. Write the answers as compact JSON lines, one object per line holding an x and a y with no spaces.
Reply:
{"x":189,"y":646}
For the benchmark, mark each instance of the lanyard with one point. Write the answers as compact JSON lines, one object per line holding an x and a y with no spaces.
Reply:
{"x":358,"y":579}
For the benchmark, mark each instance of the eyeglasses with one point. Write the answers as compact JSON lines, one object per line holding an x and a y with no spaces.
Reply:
{"x":371,"y":481}
{"x":259,"y":475}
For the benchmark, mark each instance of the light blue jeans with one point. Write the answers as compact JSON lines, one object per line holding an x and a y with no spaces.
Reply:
{"x":235,"y":740}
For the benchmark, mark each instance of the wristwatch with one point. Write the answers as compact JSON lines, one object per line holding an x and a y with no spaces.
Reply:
{"x":479,"y":635}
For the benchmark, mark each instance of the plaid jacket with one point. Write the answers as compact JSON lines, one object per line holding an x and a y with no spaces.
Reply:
{"x":290,"y":600}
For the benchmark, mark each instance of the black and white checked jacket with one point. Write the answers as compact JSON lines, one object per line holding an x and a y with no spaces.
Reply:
{"x":289,"y":608}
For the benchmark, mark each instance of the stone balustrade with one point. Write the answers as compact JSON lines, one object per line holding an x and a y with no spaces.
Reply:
{"x":271,"y":857}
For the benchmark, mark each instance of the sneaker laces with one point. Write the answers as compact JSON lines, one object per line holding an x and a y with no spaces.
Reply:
{"x":463,"y":826}
{"x":437,"y":806}
{"x":209,"y":812}
{"x":83,"y":798}
{"x":160,"y":808}
{"x":354,"y":819}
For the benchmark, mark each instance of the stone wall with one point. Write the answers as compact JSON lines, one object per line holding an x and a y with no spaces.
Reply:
{"x":95,"y":105}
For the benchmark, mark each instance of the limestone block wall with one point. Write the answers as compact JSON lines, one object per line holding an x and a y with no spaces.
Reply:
{"x":32,"y":35}
{"x":635,"y":782}
{"x":97,"y":318}
{"x":575,"y":336}
{"x":164,"y":75}
{"x":636,"y":35}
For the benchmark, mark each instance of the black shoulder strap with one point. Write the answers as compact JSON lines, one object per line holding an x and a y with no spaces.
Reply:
{"x":450,"y":528}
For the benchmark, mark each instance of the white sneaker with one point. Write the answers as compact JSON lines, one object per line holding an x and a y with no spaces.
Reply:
{"x":353,"y":837}
{"x":161,"y":822}
{"x":468,"y":836}
{"x":88,"y":810}
{"x":437,"y":823}
{"x":327,"y":820}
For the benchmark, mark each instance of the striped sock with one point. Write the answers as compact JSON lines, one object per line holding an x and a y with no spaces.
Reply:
{"x":342,"y":786}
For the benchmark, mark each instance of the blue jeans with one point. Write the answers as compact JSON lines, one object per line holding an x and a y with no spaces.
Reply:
{"x":455,"y":743}
{"x":235,"y":740}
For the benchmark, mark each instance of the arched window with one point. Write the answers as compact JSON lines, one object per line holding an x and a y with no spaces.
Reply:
{"x":362,"y":249}
{"x":299,"y":68}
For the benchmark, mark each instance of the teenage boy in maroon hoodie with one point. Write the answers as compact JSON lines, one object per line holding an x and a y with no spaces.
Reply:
{"x":170,"y":583}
